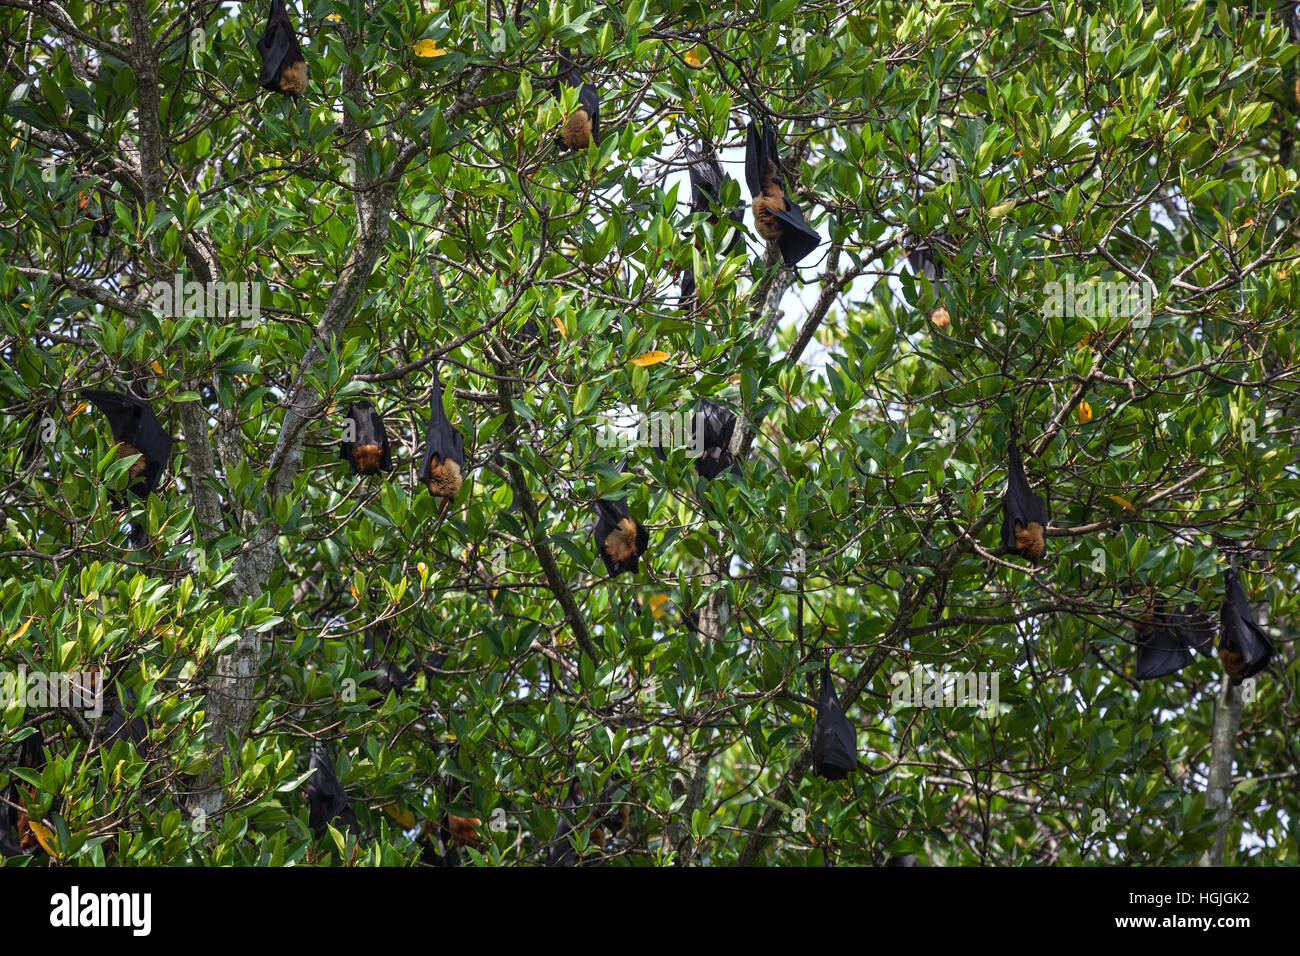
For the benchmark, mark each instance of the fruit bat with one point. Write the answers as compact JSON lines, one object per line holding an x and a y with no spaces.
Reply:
{"x":1244,"y":648}
{"x":1165,"y":638}
{"x":390,"y":676}
{"x":326,"y":798}
{"x":620,"y":537}
{"x":283,"y":68}
{"x":562,"y":852}
{"x":706,"y":192}
{"x":444,"y":450}
{"x":1024,"y":515}
{"x":775,"y":217}
{"x":718,"y":423}
{"x":137,"y":431}
{"x":613,"y":814}
{"x":13,"y":818}
{"x":922,"y":261}
{"x":834,"y":742}
{"x":369,"y":453}
{"x":583,"y":126}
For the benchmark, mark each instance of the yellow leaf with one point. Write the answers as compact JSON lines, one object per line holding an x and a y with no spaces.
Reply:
{"x":560,"y":325}
{"x":1085,"y":413}
{"x":78,"y":410}
{"x":656,"y":602}
{"x":427,"y":48}
{"x":1001,"y":209}
{"x":44,"y":836}
{"x":1121,"y":501}
{"x":14,"y":142}
{"x":692,"y":58}
{"x":332,"y":16}
{"x":649,"y":358}
{"x":401,"y":814}
{"x":156,"y":367}
{"x":23,"y":630}
{"x":734,"y":379}
{"x":117,"y":774}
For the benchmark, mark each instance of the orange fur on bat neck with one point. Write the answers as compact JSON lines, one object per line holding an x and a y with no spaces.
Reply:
{"x":1029,"y":540}
{"x":126,"y":451}
{"x":577,"y":130}
{"x":620,"y":544}
{"x":444,"y":478}
{"x":367,"y":458}
{"x":293,"y":78}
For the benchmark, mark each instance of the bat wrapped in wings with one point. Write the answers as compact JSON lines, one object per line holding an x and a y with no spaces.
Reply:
{"x":283,"y":68}
{"x":1244,"y":647}
{"x":776,"y":217}
{"x":583,"y":125}
{"x":326,"y":799}
{"x":1166,"y":639}
{"x":1024,"y":514}
{"x":368,"y":452}
{"x":444,"y":450}
{"x":834,"y":741}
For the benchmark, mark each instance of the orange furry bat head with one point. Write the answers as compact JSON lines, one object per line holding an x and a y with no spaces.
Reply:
{"x":1030,"y":542}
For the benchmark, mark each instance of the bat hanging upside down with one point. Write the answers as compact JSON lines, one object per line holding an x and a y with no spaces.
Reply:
{"x":583,"y":125}
{"x":444,"y":451}
{"x":283,"y":68}
{"x":621,"y":537}
{"x":1024,"y":514}
{"x":368,"y":452}
{"x":776,"y":218}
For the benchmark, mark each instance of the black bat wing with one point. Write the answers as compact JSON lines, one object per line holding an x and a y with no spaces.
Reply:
{"x":589,"y":100}
{"x":1195,"y":628}
{"x":834,"y":742}
{"x":688,"y":289}
{"x":798,"y":239}
{"x":1163,"y":652}
{"x":134,"y":422}
{"x":755,"y":159}
{"x":719,"y":424}
{"x":1238,"y":630}
{"x":326,"y":798}
{"x":706,"y":181}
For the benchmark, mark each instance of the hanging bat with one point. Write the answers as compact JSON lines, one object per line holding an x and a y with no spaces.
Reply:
{"x":717,"y":423}
{"x":137,"y":431}
{"x":1024,"y":515}
{"x":922,"y":261}
{"x":367,"y":453}
{"x":562,"y":852}
{"x":613,"y":814}
{"x":707,"y":181}
{"x":31,"y":756}
{"x":621,"y":538}
{"x":834,"y":742}
{"x":326,"y":799}
{"x":283,"y":68}
{"x":1165,"y":638}
{"x":583,"y":125}
{"x":776,"y":218}
{"x":444,"y":451}
{"x":706,"y":192}
{"x":390,"y":676}
{"x":1244,"y":647}
{"x":458,"y":831}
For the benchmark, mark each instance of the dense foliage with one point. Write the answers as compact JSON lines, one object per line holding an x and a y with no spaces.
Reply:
{"x":415,"y":208}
